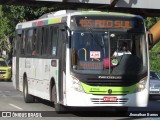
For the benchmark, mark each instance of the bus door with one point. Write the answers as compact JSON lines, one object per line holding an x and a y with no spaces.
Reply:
{"x":62,"y":61}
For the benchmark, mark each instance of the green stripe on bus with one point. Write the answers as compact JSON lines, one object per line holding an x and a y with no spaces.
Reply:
{"x":104,"y":89}
{"x":54,"y":20}
{"x":106,"y":13}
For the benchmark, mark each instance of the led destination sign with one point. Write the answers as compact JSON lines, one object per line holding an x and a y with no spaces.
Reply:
{"x":124,"y":24}
{"x":108,"y":22}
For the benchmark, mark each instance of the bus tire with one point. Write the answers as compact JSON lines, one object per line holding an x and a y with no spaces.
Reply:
{"x":27,"y":97}
{"x":150,"y":97}
{"x":9,"y":80}
{"x":58,"y":107}
{"x":122,"y":110}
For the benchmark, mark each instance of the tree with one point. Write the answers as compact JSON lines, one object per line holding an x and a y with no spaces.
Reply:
{"x":4,"y":41}
{"x":150,"y":21}
{"x":11,"y":15}
{"x":16,"y":14}
{"x":155,"y":51}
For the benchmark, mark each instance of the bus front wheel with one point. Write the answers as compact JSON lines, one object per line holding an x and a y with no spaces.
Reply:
{"x":27,"y":97}
{"x":58,"y":107}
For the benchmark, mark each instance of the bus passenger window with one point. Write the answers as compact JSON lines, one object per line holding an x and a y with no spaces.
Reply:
{"x":123,"y":50}
{"x":45,"y":40}
{"x":43,"y":49}
{"x":29,"y":42}
{"x":34,"y":43}
{"x":22,"y":43}
{"x":54,"y":38}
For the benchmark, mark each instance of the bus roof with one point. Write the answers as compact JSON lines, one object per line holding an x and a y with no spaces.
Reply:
{"x":57,"y":17}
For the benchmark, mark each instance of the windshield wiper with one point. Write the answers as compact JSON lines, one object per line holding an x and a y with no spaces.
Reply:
{"x":101,"y":44}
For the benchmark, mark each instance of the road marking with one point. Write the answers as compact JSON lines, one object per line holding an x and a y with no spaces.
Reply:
{"x":15,"y":106}
{"x":8,"y":91}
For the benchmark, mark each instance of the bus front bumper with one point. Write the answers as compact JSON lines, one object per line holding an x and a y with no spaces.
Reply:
{"x":79,"y":99}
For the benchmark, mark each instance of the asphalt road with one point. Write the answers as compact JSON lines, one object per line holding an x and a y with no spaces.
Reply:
{"x":12,"y":103}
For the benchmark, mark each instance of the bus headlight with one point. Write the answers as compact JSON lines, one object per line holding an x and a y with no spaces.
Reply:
{"x":76,"y":84}
{"x":141,"y":84}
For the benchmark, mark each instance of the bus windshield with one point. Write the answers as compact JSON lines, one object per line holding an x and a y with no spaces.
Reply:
{"x":108,"y":52}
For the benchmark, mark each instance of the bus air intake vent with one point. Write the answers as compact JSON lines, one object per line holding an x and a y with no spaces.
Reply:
{"x":102,"y":82}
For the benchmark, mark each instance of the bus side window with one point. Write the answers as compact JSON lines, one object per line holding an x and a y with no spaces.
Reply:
{"x":39,"y":41}
{"x":29,"y":42}
{"x":47,"y":34}
{"x":17,"y":43}
{"x":45,"y":40}
{"x":42,"y":41}
{"x":54,"y":38}
{"x":22,"y":43}
{"x":34,"y":42}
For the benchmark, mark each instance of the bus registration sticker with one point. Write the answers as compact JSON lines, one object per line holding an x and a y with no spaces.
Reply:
{"x":95,"y":54}
{"x":110,"y":99}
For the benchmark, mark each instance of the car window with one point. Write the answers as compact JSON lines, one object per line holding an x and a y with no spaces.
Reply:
{"x":153,"y":75}
{"x":3,"y":64}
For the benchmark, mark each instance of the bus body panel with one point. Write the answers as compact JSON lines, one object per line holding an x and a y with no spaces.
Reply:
{"x":39,"y":74}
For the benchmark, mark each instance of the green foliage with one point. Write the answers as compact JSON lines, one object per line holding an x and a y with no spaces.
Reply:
{"x":150,"y":21}
{"x":16,"y":14}
{"x":11,"y":15}
{"x":155,"y":51}
{"x":155,"y":58}
{"x":4,"y":40}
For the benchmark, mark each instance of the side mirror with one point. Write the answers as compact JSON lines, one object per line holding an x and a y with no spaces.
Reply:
{"x":150,"y":39}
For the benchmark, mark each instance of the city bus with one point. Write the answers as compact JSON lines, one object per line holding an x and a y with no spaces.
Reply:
{"x":67,"y":57}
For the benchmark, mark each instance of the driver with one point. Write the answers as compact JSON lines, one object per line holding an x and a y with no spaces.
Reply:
{"x":123,"y":50}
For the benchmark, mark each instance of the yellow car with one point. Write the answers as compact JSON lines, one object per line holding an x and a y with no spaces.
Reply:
{"x":5,"y":70}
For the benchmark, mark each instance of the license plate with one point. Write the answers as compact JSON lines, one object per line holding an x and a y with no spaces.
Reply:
{"x":110,"y":99}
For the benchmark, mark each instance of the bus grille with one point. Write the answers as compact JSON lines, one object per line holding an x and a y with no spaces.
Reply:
{"x":101,"y":101}
{"x":109,"y":82}
{"x":156,"y":85}
{"x":154,"y":92}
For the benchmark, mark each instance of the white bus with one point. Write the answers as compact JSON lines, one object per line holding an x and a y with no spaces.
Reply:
{"x":67,"y":57}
